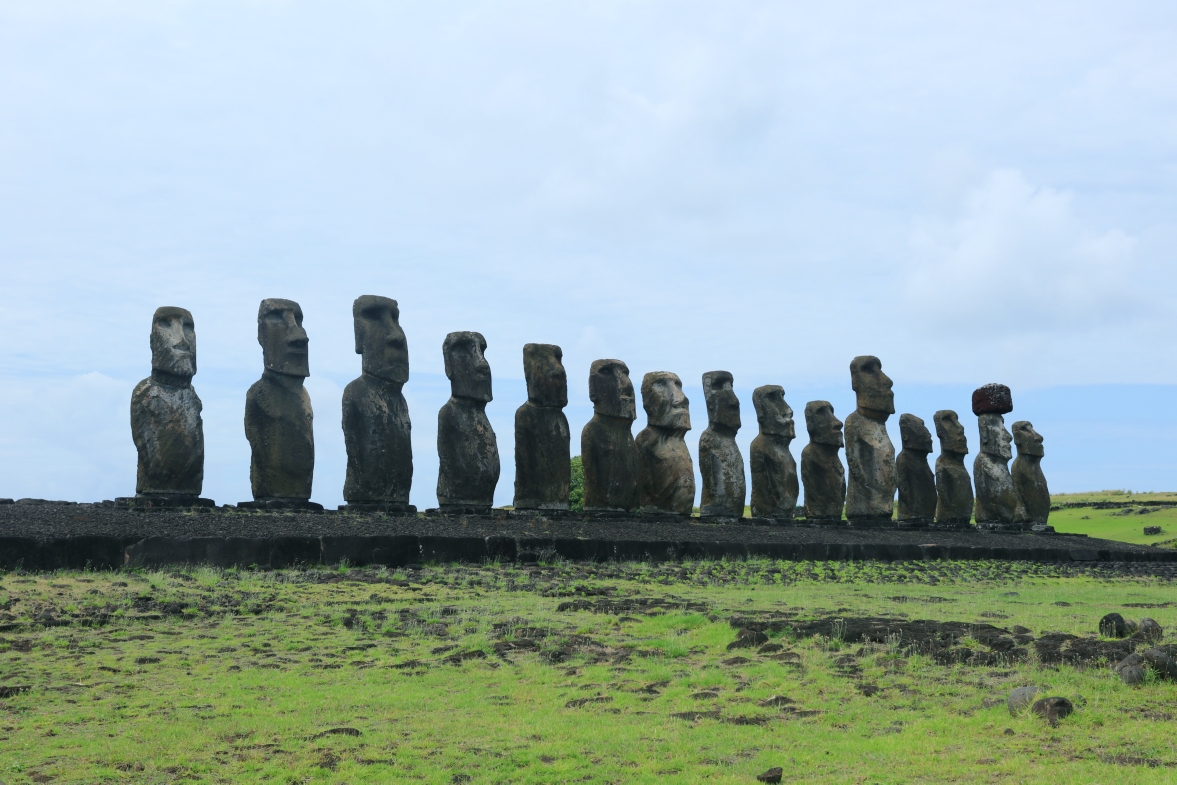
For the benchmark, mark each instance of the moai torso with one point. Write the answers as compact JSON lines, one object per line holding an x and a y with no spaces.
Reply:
{"x":666,"y":470}
{"x":279,"y":424}
{"x":917,"y":484}
{"x":543,"y":472}
{"x":169,"y":437}
{"x":378,"y":435}
{"x":720,"y":462}
{"x":468,"y":454}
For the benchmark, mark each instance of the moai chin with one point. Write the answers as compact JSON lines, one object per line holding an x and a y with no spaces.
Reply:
{"x":165,"y":417}
{"x":467,"y":450}
{"x":997,"y":500}
{"x":774,"y":472}
{"x":954,"y":487}
{"x":607,"y":448}
{"x":1029,"y":481}
{"x":720,"y":461}
{"x":666,"y":469}
{"x":822,"y":472}
{"x":278,"y":415}
{"x":376,"y":427}
{"x":870,"y":494}
{"x":542,"y":469}
{"x":917,"y":483}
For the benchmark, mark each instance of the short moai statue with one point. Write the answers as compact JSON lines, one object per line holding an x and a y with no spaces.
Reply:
{"x":376,"y":427}
{"x":774,"y":472}
{"x":997,"y":501}
{"x":467,"y":449}
{"x":165,"y":418}
{"x":822,"y":472}
{"x":1029,"y":481}
{"x":720,"y":462}
{"x":607,"y":448}
{"x":666,"y":469}
{"x":954,"y":487}
{"x":543,"y":472}
{"x":870,"y":493}
{"x":917,"y":483}
{"x":279,"y":422}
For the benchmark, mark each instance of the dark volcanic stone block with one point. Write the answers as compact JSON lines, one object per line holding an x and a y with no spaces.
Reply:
{"x":443,"y":550}
{"x":290,"y":551}
{"x":94,"y":552}
{"x":158,"y":551}
{"x":992,"y":399}
{"x":501,"y":547}
{"x":18,"y":552}
{"x":247,"y":551}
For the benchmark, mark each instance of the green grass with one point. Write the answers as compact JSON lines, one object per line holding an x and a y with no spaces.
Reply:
{"x":209,"y":676}
{"x":1114,"y":525}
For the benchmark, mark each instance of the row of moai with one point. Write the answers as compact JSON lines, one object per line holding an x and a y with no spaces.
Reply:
{"x":653,"y":474}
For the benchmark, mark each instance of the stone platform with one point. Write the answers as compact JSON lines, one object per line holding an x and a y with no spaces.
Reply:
{"x":52,"y":536}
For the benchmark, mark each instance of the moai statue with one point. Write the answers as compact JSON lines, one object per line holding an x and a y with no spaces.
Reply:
{"x":954,"y":487}
{"x":997,"y":501}
{"x":917,"y":484}
{"x":278,"y":416}
{"x":1029,"y":481}
{"x":870,"y":494}
{"x":774,"y":472}
{"x":467,"y":449}
{"x":607,"y":448}
{"x":720,"y":461}
{"x":822,"y":472}
{"x":376,"y":426}
{"x":542,"y":469}
{"x":667,"y":472}
{"x":165,"y":418}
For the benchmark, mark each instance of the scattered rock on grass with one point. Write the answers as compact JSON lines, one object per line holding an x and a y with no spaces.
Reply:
{"x":747,"y":639}
{"x":1162,"y":663}
{"x":1113,"y":625}
{"x":772,"y":775}
{"x":776,"y":702}
{"x":1150,"y":629}
{"x":1020,"y":698}
{"x":1053,"y":709}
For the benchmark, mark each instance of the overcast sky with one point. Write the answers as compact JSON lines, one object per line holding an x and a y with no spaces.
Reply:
{"x":974,"y":192}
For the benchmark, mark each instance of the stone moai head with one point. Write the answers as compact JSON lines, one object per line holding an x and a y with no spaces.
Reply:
{"x":466,"y":366}
{"x":543,"y":368}
{"x":380,"y":339}
{"x":914,"y":434}
{"x":823,"y":426}
{"x":723,"y":407}
{"x":951,"y":433}
{"x":284,"y":342}
{"x":173,"y":342}
{"x":665,"y":404}
{"x":611,"y":390}
{"x":774,"y":415}
{"x":872,"y":386}
{"x":1028,"y":440}
{"x":995,"y":439}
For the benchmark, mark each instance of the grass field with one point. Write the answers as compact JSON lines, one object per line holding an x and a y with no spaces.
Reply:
{"x":1117,"y":525}
{"x":476,"y":674}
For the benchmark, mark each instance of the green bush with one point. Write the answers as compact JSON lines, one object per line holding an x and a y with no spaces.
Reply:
{"x":576,"y":488}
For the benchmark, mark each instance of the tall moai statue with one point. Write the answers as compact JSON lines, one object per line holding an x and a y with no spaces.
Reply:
{"x":822,"y":472}
{"x":997,"y":501}
{"x":870,"y":494}
{"x":376,"y":427}
{"x":543,"y":472}
{"x":954,"y":487}
{"x":667,"y":471}
{"x":279,"y":422}
{"x":607,"y":448}
{"x":467,"y":450}
{"x":1029,"y":481}
{"x":917,"y":483}
{"x":774,"y":472}
{"x":165,"y":418}
{"x":720,"y":461}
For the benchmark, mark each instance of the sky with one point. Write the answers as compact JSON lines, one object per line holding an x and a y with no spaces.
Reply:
{"x":973,"y":192}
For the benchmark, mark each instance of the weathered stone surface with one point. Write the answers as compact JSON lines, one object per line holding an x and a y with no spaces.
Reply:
{"x":165,"y":413}
{"x":870,"y":493}
{"x":665,"y":467}
{"x":720,"y":462}
{"x":376,"y":427}
{"x":1053,"y":709}
{"x":1021,"y":697}
{"x":278,"y":415}
{"x":774,"y":472}
{"x":997,"y":501}
{"x":822,"y":472}
{"x":954,"y":487}
{"x":542,"y":469}
{"x":608,"y":451}
{"x":1029,"y":481}
{"x":467,"y":449}
{"x":917,"y":484}
{"x":992,"y":399}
